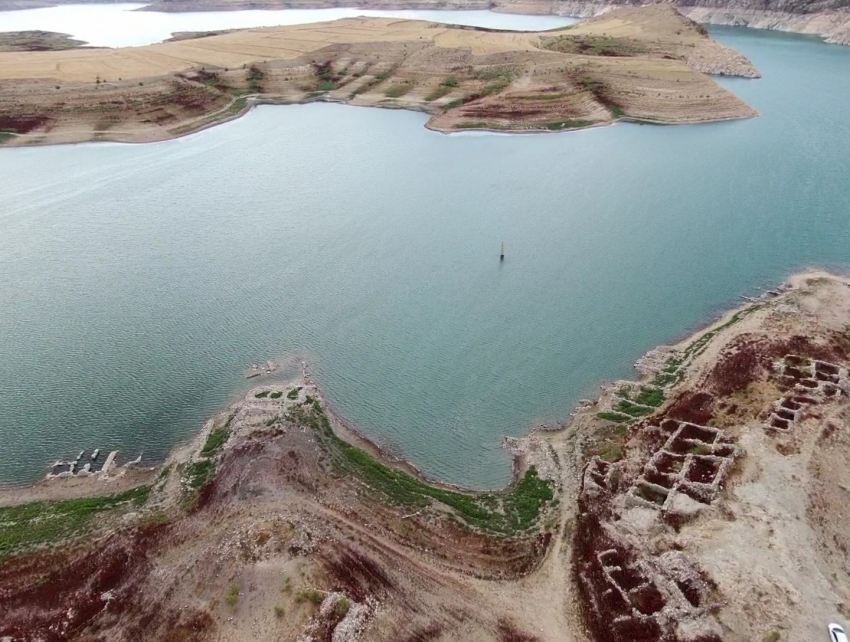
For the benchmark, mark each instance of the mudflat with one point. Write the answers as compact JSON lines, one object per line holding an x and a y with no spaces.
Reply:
{"x":647,"y":63}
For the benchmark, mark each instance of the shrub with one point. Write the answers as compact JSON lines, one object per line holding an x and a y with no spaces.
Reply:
{"x":27,"y":525}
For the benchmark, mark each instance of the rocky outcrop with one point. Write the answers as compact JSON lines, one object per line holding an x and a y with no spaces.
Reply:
{"x":833,"y":26}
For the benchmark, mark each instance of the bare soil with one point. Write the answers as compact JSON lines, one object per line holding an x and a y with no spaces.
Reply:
{"x":466,"y":78}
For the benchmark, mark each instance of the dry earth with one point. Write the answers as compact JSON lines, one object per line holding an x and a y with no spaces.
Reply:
{"x":720,"y":512}
{"x":643,"y":63}
{"x":706,"y":501}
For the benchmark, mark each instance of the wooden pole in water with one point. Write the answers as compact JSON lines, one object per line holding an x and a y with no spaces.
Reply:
{"x":502,"y":252}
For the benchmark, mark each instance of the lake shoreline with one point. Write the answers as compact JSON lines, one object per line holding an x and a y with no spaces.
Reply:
{"x":544,"y":81}
{"x":278,"y":464}
{"x":39,"y":140}
{"x":524,"y":450}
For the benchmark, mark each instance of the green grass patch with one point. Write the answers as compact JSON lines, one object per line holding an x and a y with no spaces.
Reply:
{"x":628,"y":408}
{"x":650,"y":397}
{"x":293,"y":394}
{"x":455,"y":103}
{"x":29,"y":525}
{"x":512,"y":511}
{"x":701,"y":343}
{"x":451,"y":82}
{"x":214,"y":441}
{"x":277,"y":394}
{"x":326,"y":85}
{"x":397,"y":91}
{"x":232,"y":597}
{"x":263,"y":394}
{"x":199,"y":472}
{"x":471,"y":124}
{"x":616,"y":111}
{"x":614,"y":416}
{"x":670,"y":373}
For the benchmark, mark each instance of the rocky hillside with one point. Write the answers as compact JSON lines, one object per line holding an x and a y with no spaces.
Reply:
{"x":829,"y":19}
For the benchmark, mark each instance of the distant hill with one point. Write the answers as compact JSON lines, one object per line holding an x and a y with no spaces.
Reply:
{"x":829,"y":19}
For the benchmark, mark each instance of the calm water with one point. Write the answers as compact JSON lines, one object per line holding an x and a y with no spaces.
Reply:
{"x":120,"y":26}
{"x":136,"y":282}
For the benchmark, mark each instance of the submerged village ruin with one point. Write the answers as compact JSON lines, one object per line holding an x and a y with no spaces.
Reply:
{"x":704,"y":501}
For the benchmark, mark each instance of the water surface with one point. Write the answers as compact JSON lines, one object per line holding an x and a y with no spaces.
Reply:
{"x":136,"y":282}
{"x":119,"y":25}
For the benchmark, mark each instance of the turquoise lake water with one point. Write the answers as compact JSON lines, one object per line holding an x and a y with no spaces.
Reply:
{"x":138,"y":282}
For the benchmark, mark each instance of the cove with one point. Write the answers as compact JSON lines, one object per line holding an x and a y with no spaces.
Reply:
{"x":137,"y":282}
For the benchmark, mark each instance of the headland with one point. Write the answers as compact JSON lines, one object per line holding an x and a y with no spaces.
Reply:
{"x":646,"y":64}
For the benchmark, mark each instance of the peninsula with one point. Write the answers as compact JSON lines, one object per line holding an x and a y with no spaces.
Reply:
{"x":704,"y":501}
{"x":633,"y":63}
